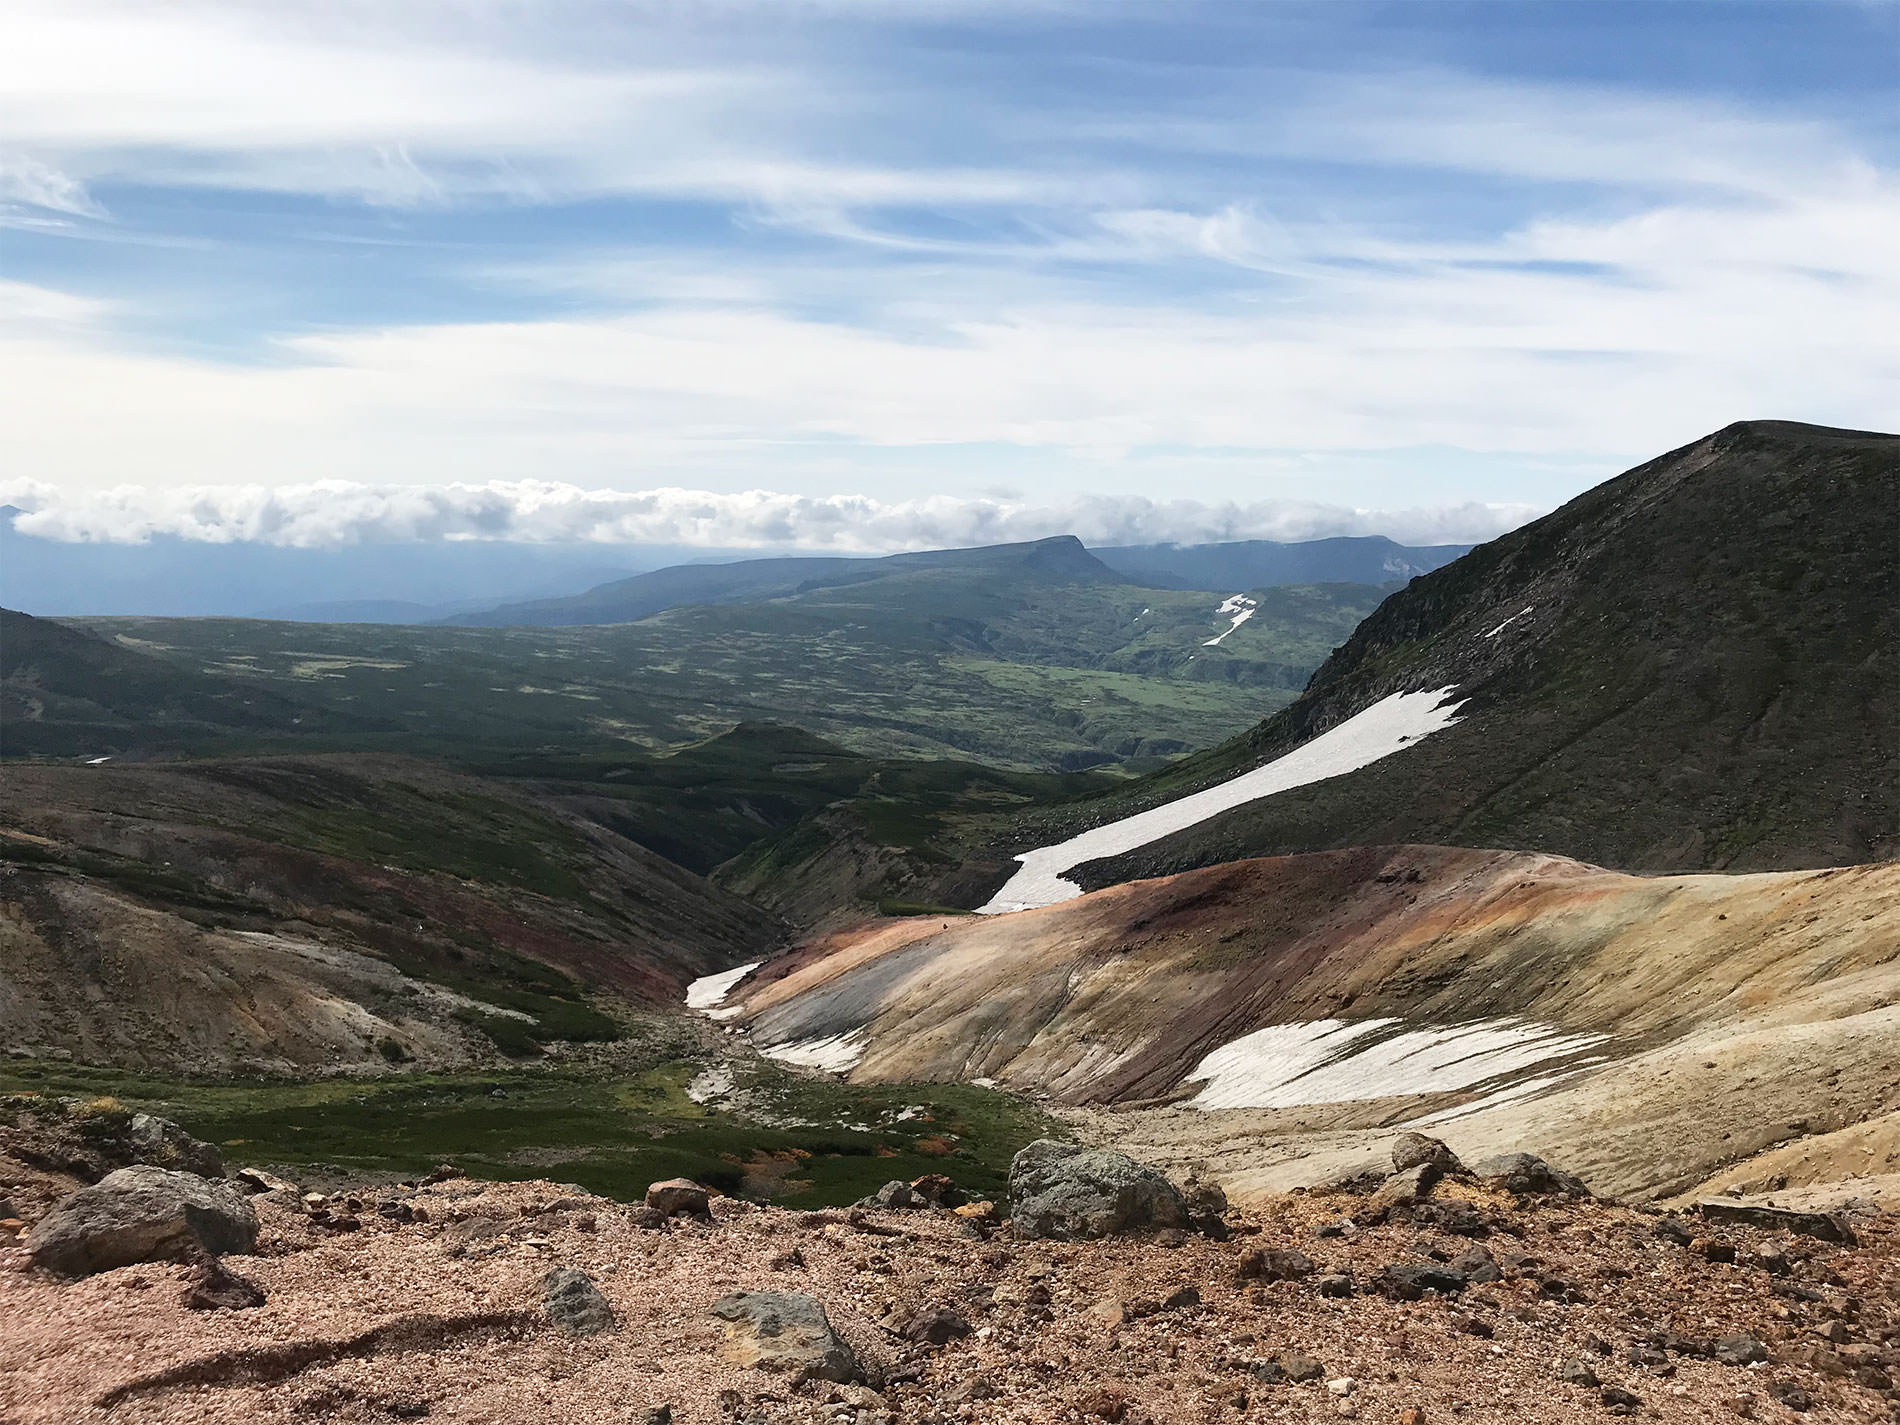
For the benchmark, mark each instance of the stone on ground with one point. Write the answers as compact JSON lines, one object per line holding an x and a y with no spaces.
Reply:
{"x":1410,"y":1150}
{"x":1527,"y":1173}
{"x":679,"y":1197}
{"x":1072,"y":1193}
{"x":784,"y":1330}
{"x":142,"y":1214}
{"x":574,"y":1303}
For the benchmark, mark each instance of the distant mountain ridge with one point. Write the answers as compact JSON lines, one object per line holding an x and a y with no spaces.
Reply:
{"x":1689,"y":667}
{"x":1061,"y":558}
{"x":1263,"y":563}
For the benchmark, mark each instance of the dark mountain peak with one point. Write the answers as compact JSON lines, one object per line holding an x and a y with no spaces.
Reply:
{"x":1687,"y":667}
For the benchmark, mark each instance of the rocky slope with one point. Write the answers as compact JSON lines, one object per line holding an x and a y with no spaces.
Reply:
{"x":1689,"y":667}
{"x":323,"y":912}
{"x":1435,"y":1293}
{"x":1649,"y":1031}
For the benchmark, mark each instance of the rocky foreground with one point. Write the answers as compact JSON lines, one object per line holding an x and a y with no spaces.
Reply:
{"x":1100,"y":1292}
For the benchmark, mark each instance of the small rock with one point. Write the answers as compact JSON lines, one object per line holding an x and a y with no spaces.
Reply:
{"x":658,"y":1415}
{"x":1298,"y":1366}
{"x":1673,"y":1229}
{"x":1274,"y":1264}
{"x":1620,"y":1401}
{"x":142,"y":1214}
{"x":1066,"y":1191}
{"x":257,"y":1180}
{"x":213,"y":1286}
{"x":1527,"y":1174}
{"x":1181,"y":1297}
{"x":1578,"y":1372}
{"x":938,"y":1191}
{"x":1342,"y":1387}
{"x":1404,"y":1281}
{"x":680,"y":1197}
{"x":1474,"y":1326}
{"x":1337,"y":1285}
{"x":784,"y":1330}
{"x":1476,"y":1265}
{"x":1412,"y":1415}
{"x":983,"y":1214}
{"x":1791,"y":1395}
{"x":1412,"y":1185}
{"x":1104,"y":1404}
{"x":1714,"y":1249}
{"x":1741,"y":1349}
{"x":574,"y":1303}
{"x":1411,"y":1150}
{"x":934,"y":1327}
{"x":789,"y":1260}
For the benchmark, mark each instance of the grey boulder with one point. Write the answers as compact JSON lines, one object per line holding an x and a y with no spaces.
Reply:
{"x":574,"y":1303}
{"x":1068,"y":1192}
{"x":1411,"y":1150}
{"x":787,"y":1331}
{"x":142,"y":1214}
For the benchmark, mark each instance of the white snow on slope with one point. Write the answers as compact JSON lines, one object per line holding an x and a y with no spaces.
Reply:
{"x":1389,"y":725}
{"x":710,"y":990}
{"x":1508,"y":622}
{"x":837,"y":1053}
{"x":1333,"y":1061}
{"x":1239,"y":608}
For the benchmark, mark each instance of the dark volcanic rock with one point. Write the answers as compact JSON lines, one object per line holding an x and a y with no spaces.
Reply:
{"x":215,"y":1287}
{"x":1062,"y":1190}
{"x":164,"y":1144}
{"x":1527,"y":1173}
{"x":1411,"y":1150}
{"x":1825,"y":1226}
{"x":1273,"y":1264}
{"x":574,"y":1303}
{"x":1406,"y":1281}
{"x":142,"y":1214}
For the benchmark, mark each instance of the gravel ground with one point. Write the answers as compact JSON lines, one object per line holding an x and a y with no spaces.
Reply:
{"x":1061,"y":1332}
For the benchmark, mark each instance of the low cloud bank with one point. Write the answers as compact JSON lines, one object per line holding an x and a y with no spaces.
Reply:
{"x":333,"y":513}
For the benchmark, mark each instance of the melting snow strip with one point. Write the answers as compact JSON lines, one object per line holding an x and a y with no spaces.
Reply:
{"x":710,"y":990}
{"x":1239,"y":608}
{"x":1389,"y":725}
{"x":1333,"y":1061}
{"x":837,"y":1053}
{"x":1508,"y":622}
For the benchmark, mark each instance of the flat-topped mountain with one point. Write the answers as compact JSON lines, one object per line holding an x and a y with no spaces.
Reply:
{"x":1058,"y":560}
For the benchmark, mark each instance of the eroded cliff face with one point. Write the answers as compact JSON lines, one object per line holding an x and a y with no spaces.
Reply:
{"x":1653,"y":1028}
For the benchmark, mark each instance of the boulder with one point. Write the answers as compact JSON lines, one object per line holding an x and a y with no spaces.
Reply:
{"x":1065,"y":1191}
{"x":1528,"y":1174}
{"x":574,"y":1303}
{"x":784,"y":1330}
{"x":895,"y":1193}
{"x":164,"y":1144}
{"x":938,"y":1191}
{"x":1741,"y":1349}
{"x":1411,"y":1150}
{"x":680,"y":1197}
{"x":1477,"y":1266}
{"x":1825,"y":1226}
{"x":142,"y":1214}
{"x":1413,"y":1184}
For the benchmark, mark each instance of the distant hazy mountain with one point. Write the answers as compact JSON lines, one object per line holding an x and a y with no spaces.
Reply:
{"x":1062,"y":559}
{"x":385,"y":583}
{"x":1225,"y":568}
{"x":1262,"y":563}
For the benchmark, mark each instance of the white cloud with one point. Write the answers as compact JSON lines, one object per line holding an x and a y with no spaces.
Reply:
{"x":334,"y":512}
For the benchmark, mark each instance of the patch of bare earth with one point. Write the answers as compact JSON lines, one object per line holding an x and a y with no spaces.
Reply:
{"x":443,"y":1319}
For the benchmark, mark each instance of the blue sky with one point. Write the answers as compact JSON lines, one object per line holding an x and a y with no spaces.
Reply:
{"x":878,"y":274}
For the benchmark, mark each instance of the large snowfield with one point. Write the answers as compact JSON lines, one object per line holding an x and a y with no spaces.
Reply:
{"x":1390,"y":725}
{"x":1334,"y":1061}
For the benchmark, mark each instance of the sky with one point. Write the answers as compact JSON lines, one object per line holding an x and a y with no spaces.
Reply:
{"x":878,"y":274}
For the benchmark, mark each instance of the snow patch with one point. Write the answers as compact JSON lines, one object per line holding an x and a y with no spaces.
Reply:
{"x":710,"y":990}
{"x":1508,"y":622}
{"x":1389,"y":725}
{"x":1334,"y":1061}
{"x":1237,"y":607}
{"x":836,"y":1053}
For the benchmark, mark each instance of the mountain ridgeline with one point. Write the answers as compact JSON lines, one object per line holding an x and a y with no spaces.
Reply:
{"x":1688,"y":667}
